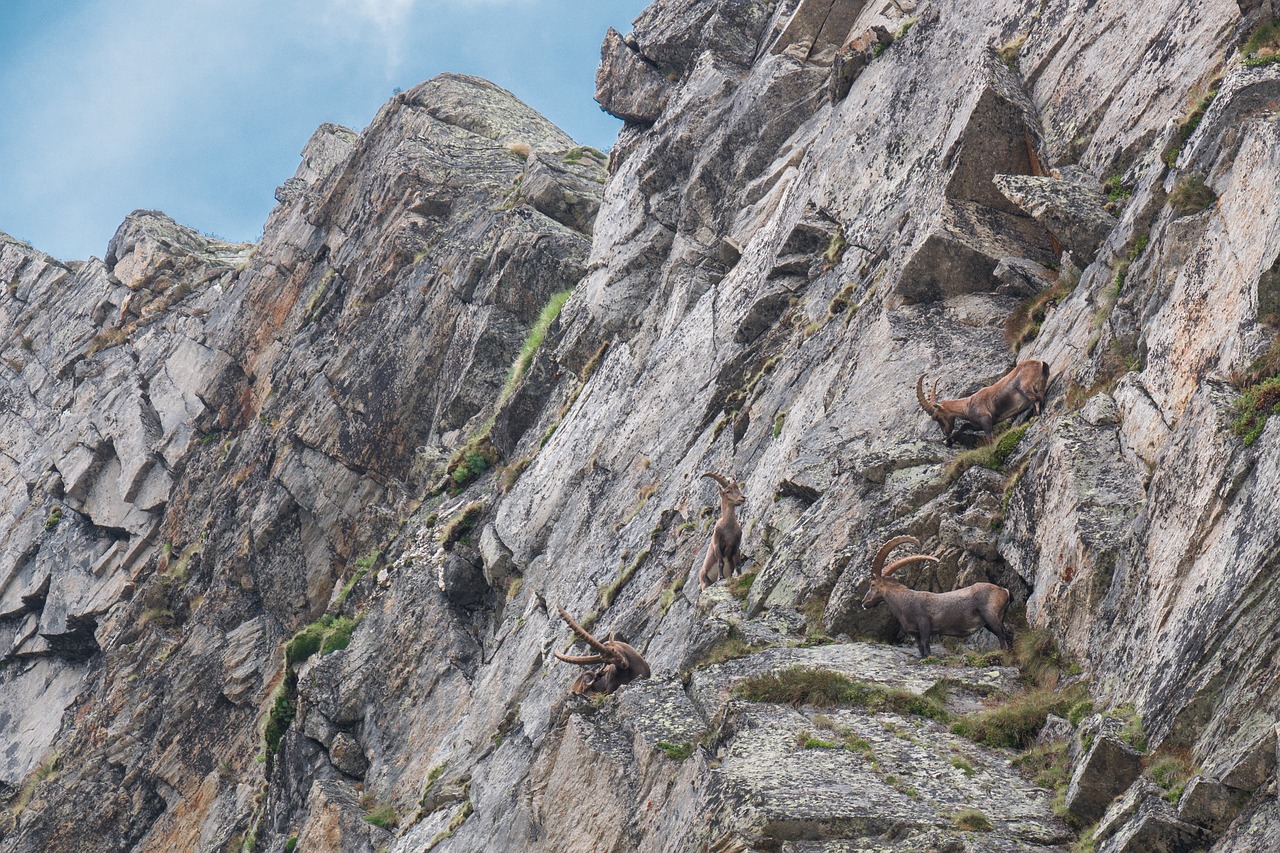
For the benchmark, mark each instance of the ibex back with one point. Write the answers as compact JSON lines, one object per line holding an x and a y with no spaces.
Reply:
{"x":959,"y":613}
{"x":1023,"y":387}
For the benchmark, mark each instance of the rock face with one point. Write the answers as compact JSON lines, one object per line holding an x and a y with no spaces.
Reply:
{"x":284,"y":525}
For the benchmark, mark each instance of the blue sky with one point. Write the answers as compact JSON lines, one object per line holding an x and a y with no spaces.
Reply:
{"x":200,"y":107}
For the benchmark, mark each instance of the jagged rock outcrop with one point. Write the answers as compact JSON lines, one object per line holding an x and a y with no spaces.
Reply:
{"x":251,"y":507}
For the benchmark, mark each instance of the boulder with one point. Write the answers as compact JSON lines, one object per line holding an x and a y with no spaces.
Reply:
{"x":1105,"y":771}
{"x":1073,"y":213}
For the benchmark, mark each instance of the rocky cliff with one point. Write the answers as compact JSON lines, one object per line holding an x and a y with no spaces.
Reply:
{"x":285,"y":525}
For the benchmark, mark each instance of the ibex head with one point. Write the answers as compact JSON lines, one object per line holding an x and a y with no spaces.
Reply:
{"x":729,"y":489}
{"x":879,"y":572}
{"x":946,"y":419}
{"x":622,"y":664}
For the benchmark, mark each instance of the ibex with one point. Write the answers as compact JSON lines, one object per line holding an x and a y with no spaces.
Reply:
{"x":959,"y":613}
{"x":1020,"y":388}
{"x":723,"y":555}
{"x":622,"y":663}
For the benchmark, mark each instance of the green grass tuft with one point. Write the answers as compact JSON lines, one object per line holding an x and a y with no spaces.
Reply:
{"x":972,"y":820}
{"x":1016,"y":723}
{"x":676,"y":751}
{"x":799,"y":686}
{"x":532,"y":341}
{"x":458,"y":528}
{"x":1254,"y":405}
{"x":1192,"y":195}
{"x":383,"y":816}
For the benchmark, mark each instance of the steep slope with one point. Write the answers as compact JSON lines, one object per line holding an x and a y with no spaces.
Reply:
{"x":812,"y":203}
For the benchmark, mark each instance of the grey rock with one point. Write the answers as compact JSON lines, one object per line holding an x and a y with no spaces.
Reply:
{"x":1209,"y":804}
{"x":1021,"y":277}
{"x":346,"y":755}
{"x":1073,"y":213}
{"x":627,"y":85}
{"x":1105,"y":770}
{"x":1100,"y":411}
{"x":1153,"y":828}
{"x":1055,"y":729}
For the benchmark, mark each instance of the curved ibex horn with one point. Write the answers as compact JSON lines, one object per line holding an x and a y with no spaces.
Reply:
{"x":933,"y":395}
{"x":722,"y":480}
{"x":580,"y":658}
{"x":886,"y":548}
{"x":586,"y":638}
{"x":914,"y":558}
{"x":924,"y":404}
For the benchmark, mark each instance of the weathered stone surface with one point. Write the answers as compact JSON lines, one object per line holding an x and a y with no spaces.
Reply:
{"x":1209,"y":804}
{"x":1021,"y":277}
{"x":234,"y":434}
{"x":1104,"y":771}
{"x":627,"y":85}
{"x":1073,"y":213}
{"x":1153,"y":828}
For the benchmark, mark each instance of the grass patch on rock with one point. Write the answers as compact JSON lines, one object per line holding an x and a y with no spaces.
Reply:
{"x":1024,"y":323}
{"x":992,"y":455}
{"x":1255,"y":404}
{"x":799,"y":686}
{"x":1191,"y":195}
{"x":1015,"y":724}
{"x":972,"y":820}
{"x":675,"y":751}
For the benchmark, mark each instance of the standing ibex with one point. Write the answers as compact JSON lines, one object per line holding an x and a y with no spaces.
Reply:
{"x":959,"y":613}
{"x":1020,"y":388}
{"x":723,"y":555}
{"x":622,"y":663}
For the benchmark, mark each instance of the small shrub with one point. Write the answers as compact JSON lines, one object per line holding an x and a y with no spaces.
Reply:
{"x":284,"y":707}
{"x":53,"y":519}
{"x":730,"y":647}
{"x":1172,"y":771}
{"x":457,"y":528}
{"x":670,"y":591}
{"x":992,"y":455}
{"x":808,"y":741}
{"x":1010,"y":52}
{"x":1192,"y":120}
{"x":676,"y":751}
{"x":1049,"y":766}
{"x":1192,"y":195}
{"x":963,"y":766}
{"x":972,"y":820}
{"x":383,"y":816}
{"x":835,"y":250}
{"x":1117,"y":192}
{"x":1263,"y":45}
{"x":1025,"y":321}
{"x":1132,"y":733}
{"x":740,"y":586}
{"x":1253,"y":407}
{"x":778,"y":421}
{"x":327,"y":634}
{"x":521,"y":149}
{"x":291,"y":844}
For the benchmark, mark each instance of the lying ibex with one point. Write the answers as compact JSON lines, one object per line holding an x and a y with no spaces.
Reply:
{"x":622,"y":663}
{"x":959,"y":613}
{"x":723,"y":555}
{"x":1020,"y":388}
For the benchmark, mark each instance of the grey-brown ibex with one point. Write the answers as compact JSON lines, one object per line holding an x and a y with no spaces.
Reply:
{"x":724,"y":555}
{"x":622,"y":664}
{"x":1010,"y":396}
{"x":959,"y":613}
